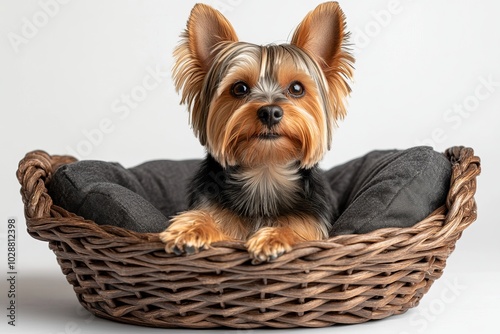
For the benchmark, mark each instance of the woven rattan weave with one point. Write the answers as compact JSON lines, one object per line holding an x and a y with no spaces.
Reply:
{"x":128,"y":277}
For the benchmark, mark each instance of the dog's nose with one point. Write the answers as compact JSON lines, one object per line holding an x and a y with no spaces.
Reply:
{"x":270,"y":115}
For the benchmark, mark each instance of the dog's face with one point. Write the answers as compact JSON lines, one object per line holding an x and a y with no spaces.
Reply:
{"x":277,"y":104}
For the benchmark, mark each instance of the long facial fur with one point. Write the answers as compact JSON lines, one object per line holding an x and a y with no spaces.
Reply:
{"x":217,"y":119}
{"x":269,"y":70}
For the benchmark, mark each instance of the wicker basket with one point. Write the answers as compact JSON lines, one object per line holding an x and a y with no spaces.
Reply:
{"x":128,"y":277}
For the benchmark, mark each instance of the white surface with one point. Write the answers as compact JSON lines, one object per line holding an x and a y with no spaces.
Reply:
{"x":415,"y":67}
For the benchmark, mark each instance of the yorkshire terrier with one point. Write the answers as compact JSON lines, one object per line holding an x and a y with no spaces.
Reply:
{"x":265,"y":115}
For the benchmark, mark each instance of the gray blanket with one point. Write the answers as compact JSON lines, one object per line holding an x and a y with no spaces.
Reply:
{"x":395,"y":188}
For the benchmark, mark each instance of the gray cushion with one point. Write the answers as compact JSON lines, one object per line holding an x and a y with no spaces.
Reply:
{"x":388,"y":189}
{"x":381,"y":189}
{"x":139,"y":198}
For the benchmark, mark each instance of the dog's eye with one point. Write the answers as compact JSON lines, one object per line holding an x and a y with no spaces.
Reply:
{"x":296,"y":89}
{"x":240,"y":89}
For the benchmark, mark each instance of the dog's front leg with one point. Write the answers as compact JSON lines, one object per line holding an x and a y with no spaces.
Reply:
{"x":190,"y":232}
{"x":269,"y":243}
{"x":195,"y":230}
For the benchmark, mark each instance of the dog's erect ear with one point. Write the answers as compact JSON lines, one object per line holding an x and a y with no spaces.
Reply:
{"x":206,"y":28}
{"x":322,"y":35}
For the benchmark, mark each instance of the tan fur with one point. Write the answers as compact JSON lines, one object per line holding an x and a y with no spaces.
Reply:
{"x":200,"y":228}
{"x":209,"y":61}
{"x":232,"y":125}
{"x":322,"y":35}
{"x":206,"y":28}
{"x":270,"y":242}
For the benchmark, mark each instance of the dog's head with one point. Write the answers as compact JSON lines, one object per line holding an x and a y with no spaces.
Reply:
{"x":273,"y":104}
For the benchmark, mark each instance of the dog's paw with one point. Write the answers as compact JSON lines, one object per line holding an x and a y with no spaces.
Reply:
{"x":267,"y":244}
{"x":179,"y":242}
{"x":190,"y":232}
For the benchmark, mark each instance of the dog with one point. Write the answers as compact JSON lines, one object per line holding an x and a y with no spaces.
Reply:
{"x":266,"y":115}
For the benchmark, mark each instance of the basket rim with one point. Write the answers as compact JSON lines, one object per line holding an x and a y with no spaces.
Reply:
{"x":465,"y":166}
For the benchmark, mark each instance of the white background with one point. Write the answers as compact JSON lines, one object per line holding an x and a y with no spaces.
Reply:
{"x":417,"y":64}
